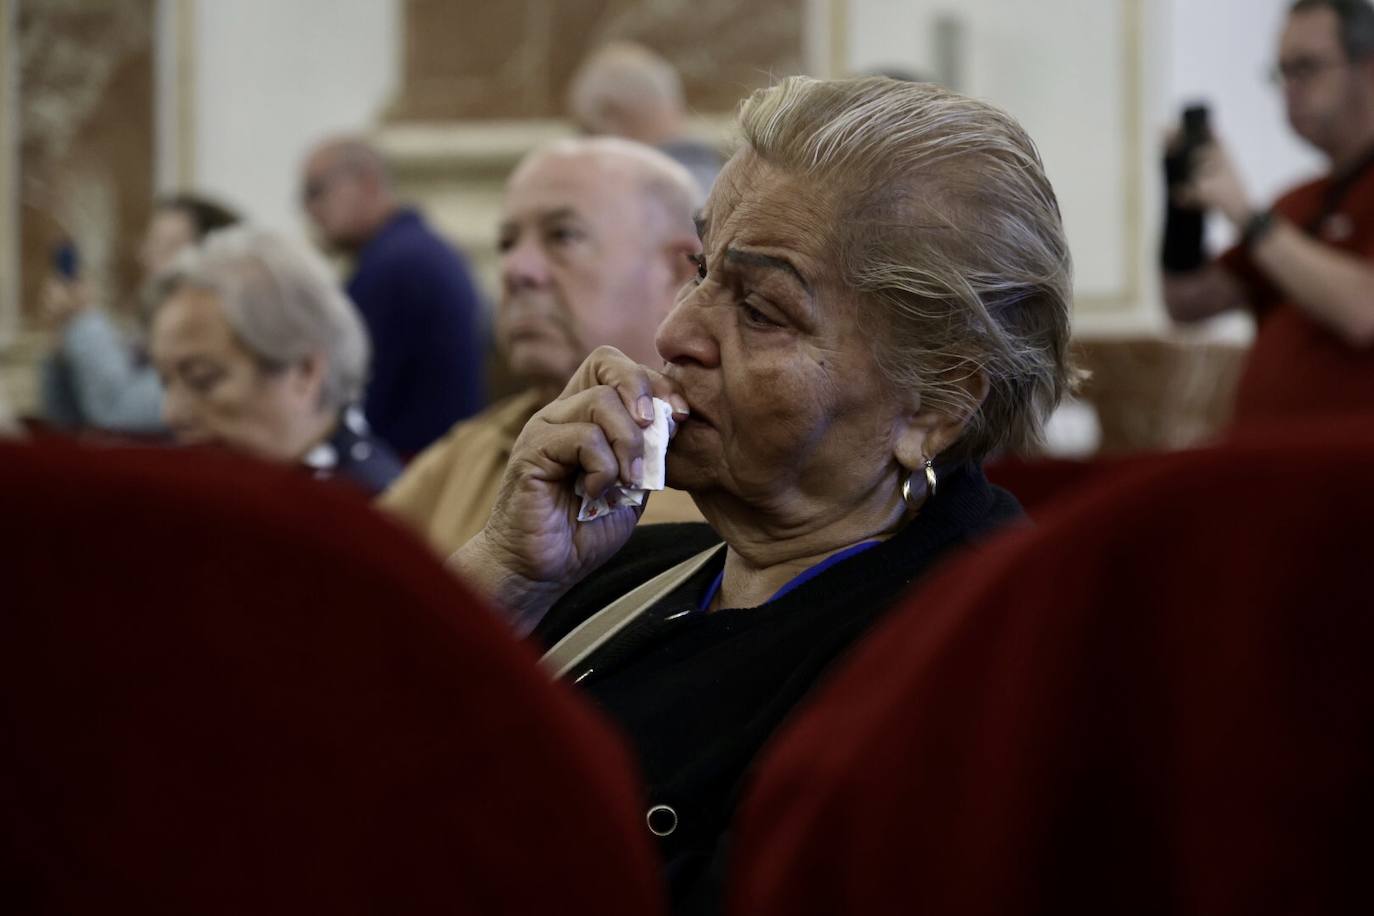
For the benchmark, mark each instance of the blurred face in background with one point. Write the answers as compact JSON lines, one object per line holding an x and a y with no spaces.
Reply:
{"x":586,"y":260}
{"x":169,"y":231}
{"x":337,"y":196}
{"x":219,"y":393}
{"x":1325,"y":93}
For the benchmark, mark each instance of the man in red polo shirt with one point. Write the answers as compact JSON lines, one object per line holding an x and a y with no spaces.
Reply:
{"x":1305,"y":266}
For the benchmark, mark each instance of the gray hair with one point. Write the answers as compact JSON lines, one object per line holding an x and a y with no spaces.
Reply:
{"x":948,"y":229}
{"x":282,"y":303}
{"x":1356,"y":23}
{"x":625,"y":75}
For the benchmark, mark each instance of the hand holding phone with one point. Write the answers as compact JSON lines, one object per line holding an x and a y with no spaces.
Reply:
{"x":1194,"y":134}
{"x":64,"y":295}
{"x":66,"y":261}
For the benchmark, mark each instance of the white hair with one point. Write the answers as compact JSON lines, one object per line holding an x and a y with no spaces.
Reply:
{"x":282,"y":303}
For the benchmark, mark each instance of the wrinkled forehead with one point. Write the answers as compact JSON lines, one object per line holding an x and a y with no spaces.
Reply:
{"x":754,"y":203}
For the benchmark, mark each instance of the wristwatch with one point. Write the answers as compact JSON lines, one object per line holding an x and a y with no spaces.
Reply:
{"x":1256,"y":228}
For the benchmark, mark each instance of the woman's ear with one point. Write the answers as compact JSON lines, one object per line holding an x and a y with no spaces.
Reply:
{"x":924,"y":433}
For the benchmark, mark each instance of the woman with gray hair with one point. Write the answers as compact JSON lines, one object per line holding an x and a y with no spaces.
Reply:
{"x":882,"y":300}
{"x":260,"y":351}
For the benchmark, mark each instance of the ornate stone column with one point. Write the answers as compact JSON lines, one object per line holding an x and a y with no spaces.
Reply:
{"x":9,"y":175}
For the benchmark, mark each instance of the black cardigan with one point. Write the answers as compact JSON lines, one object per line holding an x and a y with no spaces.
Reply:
{"x":699,"y":694}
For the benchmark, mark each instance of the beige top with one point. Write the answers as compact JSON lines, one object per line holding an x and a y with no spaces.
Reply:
{"x":448,"y":491}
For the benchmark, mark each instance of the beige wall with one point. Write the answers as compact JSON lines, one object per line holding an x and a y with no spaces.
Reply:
{"x":269,"y":78}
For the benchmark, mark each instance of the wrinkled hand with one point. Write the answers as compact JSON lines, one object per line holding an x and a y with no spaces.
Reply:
{"x":533,"y":549}
{"x":62,"y":301}
{"x":1216,"y":183}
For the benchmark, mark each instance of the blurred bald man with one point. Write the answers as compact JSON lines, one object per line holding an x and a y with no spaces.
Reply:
{"x":414,"y":291}
{"x":623,"y":89}
{"x":596,"y":239}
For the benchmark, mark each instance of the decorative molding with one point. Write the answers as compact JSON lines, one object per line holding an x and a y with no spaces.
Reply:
{"x":174,"y":91}
{"x":817,"y":53}
{"x":433,"y":150}
{"x":837,"y":24}
{"x":9,"y":173}
{"x":1131,"y":298}
{"x":185,"y":92}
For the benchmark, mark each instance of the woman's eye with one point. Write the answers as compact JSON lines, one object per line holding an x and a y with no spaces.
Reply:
{"x":755,"y":317}
{"x":699,"y":262}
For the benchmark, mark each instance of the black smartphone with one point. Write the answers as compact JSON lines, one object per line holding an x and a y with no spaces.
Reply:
{"x":1193,"y":135}
{"x":1197,"y":127}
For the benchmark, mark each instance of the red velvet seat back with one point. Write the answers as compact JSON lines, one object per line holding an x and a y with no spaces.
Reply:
{"x":1041,"y":483}
{"x":1158,"y":701}
{"x":227,"y":689}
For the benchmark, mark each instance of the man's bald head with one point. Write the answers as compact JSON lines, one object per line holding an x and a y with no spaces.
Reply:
{"x":346,"y":189}
{"x":594,"y":241}
{"x":663,"y":185}
{"x":626,"y":90}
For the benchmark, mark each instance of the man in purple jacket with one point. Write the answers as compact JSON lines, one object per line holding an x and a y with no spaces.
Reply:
{"x":414,"y":292}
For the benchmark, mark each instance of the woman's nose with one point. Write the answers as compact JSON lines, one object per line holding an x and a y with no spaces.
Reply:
{"x":685,"y":335}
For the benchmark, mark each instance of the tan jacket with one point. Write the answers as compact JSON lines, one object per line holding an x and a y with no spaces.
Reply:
{"x":448,"y":491}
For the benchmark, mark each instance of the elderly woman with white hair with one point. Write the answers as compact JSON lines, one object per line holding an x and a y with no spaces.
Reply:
{"x":260,"y":351}
{"x":882,"y":300}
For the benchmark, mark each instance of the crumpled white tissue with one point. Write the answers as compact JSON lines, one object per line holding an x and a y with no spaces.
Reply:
{"x":655,"y":457}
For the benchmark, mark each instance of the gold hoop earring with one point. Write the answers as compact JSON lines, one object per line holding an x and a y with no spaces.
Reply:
{"x":911,"y":499}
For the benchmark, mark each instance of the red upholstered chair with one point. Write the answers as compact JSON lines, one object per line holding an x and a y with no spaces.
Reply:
{"x":1158,"y":701}
{"x":1041,"y":483}
{"x":227,"y":689}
